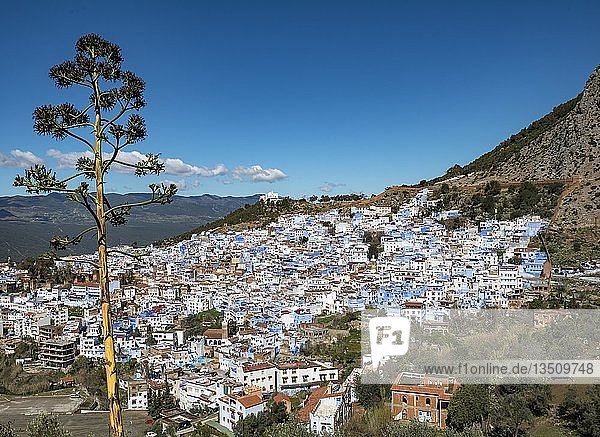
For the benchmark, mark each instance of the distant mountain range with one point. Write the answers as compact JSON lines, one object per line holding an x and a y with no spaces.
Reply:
{"x":28,"y":222}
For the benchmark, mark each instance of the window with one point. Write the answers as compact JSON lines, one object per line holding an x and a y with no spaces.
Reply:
{"x":404,"y":400}
{"x":427,"y":401}
{"x":424,"y":416}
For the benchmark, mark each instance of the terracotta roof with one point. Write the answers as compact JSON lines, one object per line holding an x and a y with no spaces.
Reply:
{"x":213,"y":333}
{"x":280,"y":397}
{"x":87,"y":284}
{"x":248,"y":331}
{"x":250,"y":400}
{"x":259,"y":366}
{"x":311,"y":403}
{"x":424,"y":390}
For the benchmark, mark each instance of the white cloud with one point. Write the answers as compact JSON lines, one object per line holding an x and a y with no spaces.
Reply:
{"x":66,"y":160}
{"x":256,"y":173}
{"x":182,"y":184}
{"x":173,"y":166}
{"x":328,"y":187}
{"x":176,"y":166}
{"x":19,"y":158}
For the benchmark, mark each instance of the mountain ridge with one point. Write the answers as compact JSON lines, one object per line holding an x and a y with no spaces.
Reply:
{"x":28,"y":222}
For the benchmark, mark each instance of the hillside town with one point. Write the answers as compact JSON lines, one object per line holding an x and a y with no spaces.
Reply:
{"x":271,"y":288}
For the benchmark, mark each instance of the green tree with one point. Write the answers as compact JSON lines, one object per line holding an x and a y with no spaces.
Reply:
{"x":150,"y":340}
{"x":128,"y":367}
{"x":502,"y":410}
{"x":370,"y":395}
{"x":538,"y":398}
{"x":571,"y":409}
{"x":492,"y":188}
{"x":377,"y":420}
{"x":250,"y":426}
{"x":591,"y":419}
{"x":470,"y":405}
{"x":232,"y":328}
{"x":153,"y":406}
{"x":411,"y":429}
{"x":39,"y":268}
{"x":160,"y":400}
{"x":289,"y":429}
{"x":196,"y":324}
{"x":6,"y":430}
{"x":46,"y":425}
{"x":203,"y":431}
{"x":278,"y":412}
{"x":27,"y":348}
{"x":255,"y":425}
{"x":167,"y":399}
{"x":513,"y":416}
{"x":105,"y":126}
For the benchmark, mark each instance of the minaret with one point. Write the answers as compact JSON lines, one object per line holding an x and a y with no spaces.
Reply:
{"x":224,"y":330}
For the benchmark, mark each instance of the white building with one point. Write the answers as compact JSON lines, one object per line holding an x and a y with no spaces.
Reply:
{"x":237,"y":406}
{"x":300,"y":374}
{"x":261,"y":375}
{"x":270,"y":197}
{"x":137,"y":394}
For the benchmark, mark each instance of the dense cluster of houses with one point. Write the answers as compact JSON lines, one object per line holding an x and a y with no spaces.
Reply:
{"x":273,"y":282}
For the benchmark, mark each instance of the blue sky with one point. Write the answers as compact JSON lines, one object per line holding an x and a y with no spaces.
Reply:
{"x":304,"y":97}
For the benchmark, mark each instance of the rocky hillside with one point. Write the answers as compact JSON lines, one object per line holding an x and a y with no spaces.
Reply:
{"x":563,"y":146}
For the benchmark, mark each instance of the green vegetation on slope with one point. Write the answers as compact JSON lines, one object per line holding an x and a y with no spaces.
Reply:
{"x":14,"y":380}
{"x":573,"y":247}
{"x":493,"y":200}
{"x":512,"y":146}
{"x":345,"y":352}
{"x":260,"y":213}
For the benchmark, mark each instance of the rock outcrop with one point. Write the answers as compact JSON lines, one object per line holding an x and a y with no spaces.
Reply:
{"x":567,"y":150}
